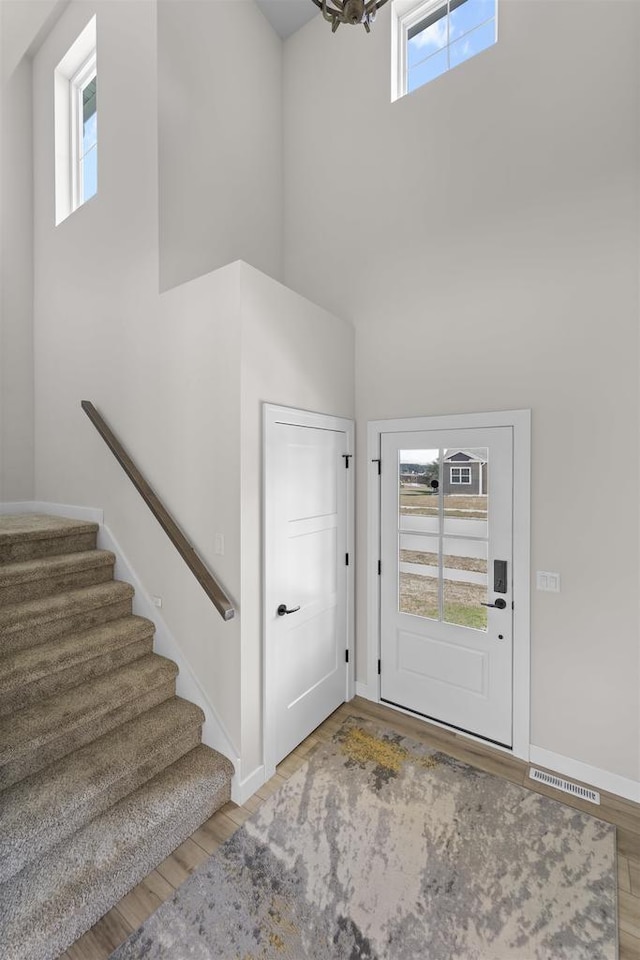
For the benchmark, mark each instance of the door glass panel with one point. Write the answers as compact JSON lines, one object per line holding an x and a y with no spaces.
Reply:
{"x":418,"y":553}
{"x":419,"y":564}
{"x":419,"y":524}
{"x":443,"y":535}
{"x":420,"y":549}
{"x":465,"y":478}
{"x":419,"y":481}
{"x":419,"y":595}
{"x":465,"y":582}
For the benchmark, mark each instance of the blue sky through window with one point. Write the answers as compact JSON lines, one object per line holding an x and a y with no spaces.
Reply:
{"x":89,"y":142}
{"x":450,"y":39}
{"x":90,"y":175}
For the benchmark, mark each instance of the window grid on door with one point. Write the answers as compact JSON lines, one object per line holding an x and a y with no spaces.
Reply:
{"x":442,"y":545}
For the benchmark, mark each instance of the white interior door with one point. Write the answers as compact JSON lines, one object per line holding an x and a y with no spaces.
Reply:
{"x":307,"y":574}
{"x":447,"y":577}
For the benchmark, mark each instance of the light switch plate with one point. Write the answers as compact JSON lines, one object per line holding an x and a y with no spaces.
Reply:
{"x":547,"y":581}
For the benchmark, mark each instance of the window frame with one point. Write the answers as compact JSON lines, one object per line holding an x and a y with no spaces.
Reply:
{"x":70,"y":77}
{"x":77,"y":85}
{"x":460,"y":482}
{"x":407,"y":15}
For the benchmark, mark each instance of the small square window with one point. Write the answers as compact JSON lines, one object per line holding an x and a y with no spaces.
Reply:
{"x":460,"y":475}
{"x":431,"y":37}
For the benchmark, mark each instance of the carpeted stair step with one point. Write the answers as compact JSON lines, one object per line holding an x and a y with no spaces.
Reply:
{"x":52,"y":902}
{"x":47,"y":808}
{"x":34,"y":622}
{"x":31,"y":579}
{"x":37,"y":673}
{"x":50,"y":729}
{"x":27,"y":536}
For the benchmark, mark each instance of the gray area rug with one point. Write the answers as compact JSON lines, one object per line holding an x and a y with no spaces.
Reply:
{"x":379,"y":848}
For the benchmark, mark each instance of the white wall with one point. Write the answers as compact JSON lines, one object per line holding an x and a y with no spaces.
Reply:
{"x":16,"y":255}
{"x":482,"y":234}
{"x":25,"y":24}
{"x":181,"y":375}
{"x":484,"y":226}
{"x":297,"y":355}
{"x":163,"y":369}
{"x":16,"y":296}
{"x":220,"y":138}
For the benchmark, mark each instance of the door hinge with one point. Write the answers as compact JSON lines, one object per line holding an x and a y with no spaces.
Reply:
{"x":346,"y":457}
{"x":346,"y":656}
{"x":379,"y":567}
{"x":346,"y":559}
{"x":379,"y":462}
{"x":379,"y":667}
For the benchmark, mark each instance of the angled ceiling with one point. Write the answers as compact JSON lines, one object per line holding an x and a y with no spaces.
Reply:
{"x":287,"y":16}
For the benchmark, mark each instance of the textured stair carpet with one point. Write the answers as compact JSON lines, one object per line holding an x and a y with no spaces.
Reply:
{"x":88,"y":781}
{"x":38,"y":672}
{"x":53,"y":901}
{"x":102,"y":772}
{"x":26,"y":536}
{"x":380,"y":848}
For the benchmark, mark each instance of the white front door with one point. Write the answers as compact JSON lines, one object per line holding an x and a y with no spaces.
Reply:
{"x":307,"y":573}
{"x":447,"y":577}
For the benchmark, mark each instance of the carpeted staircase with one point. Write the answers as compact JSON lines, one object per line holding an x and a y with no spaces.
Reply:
{"x":102,"y":772}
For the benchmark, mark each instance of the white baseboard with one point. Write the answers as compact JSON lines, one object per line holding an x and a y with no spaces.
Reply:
{"x":585,"y":773}
{"x":241,"y":790}
{"x":92,"y":514}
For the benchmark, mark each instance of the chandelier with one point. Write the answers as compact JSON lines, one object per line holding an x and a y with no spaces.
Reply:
{"x":349,"y":11}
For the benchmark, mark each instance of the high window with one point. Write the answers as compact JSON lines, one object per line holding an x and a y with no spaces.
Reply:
{"x":85,"y":132}
{"x":76,"y":124}
{"x":431,"y":37}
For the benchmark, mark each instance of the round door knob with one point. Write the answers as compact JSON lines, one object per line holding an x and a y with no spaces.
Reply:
{"x":500,"y":604}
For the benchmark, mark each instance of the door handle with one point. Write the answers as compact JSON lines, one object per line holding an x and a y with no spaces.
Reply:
{"x":282,"y":609}
{"x":500,"y":604}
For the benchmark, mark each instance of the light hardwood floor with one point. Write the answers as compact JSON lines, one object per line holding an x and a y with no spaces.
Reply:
{"x":141,"y":902}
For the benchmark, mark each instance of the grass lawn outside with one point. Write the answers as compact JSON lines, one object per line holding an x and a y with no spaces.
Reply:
{"x":419,"y":596}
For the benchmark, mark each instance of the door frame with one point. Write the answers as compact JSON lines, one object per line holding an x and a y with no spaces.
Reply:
{"x":272,"y":416}
{"x":520,"y":421}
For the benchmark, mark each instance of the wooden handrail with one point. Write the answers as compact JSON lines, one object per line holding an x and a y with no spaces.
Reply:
{"x":208,"y":583}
